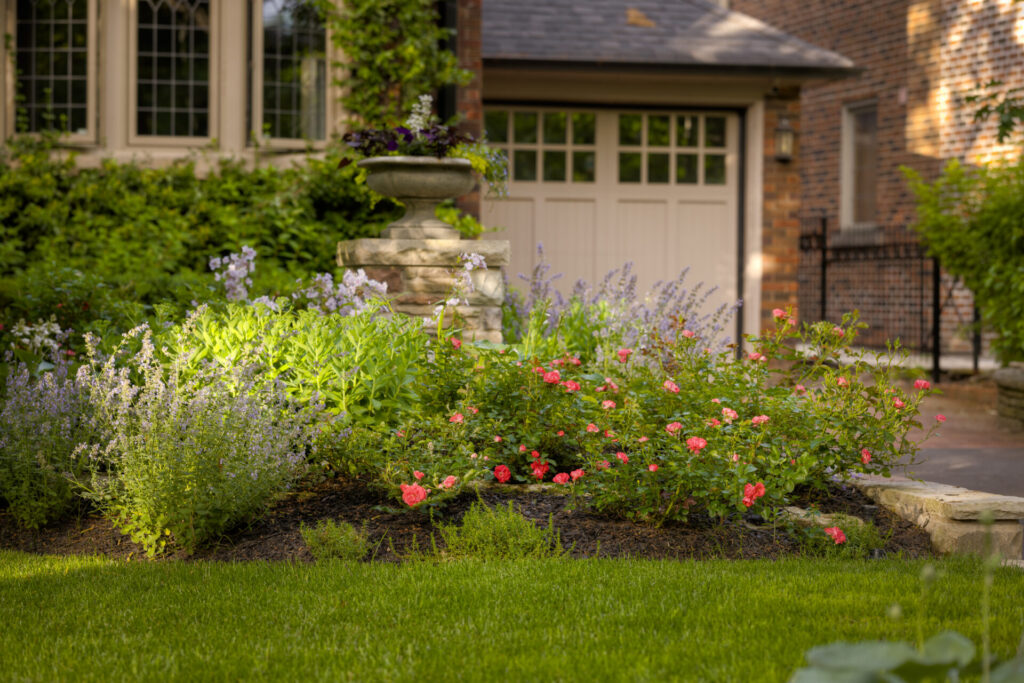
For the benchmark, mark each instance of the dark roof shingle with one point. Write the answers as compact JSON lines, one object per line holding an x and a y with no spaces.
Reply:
{"x":683,"y":33}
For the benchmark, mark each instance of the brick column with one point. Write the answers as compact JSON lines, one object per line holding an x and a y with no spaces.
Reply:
{"x":782,"y":201}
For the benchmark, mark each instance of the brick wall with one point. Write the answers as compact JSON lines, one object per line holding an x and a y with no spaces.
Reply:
{"x":469,"y":100}
{"x":781,"y":213}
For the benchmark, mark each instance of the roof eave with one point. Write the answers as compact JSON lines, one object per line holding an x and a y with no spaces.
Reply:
{"x":800,"y":73}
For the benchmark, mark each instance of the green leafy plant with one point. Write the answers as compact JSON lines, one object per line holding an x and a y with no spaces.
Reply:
{"x":973,"y":221}
{"x":330,"y":540}
{"x":499,"y":533}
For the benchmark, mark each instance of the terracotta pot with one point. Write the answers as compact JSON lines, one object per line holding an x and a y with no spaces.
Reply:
{"x":420,"y":183}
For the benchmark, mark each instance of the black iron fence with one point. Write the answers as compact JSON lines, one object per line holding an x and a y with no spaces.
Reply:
{"x":887,"y":276}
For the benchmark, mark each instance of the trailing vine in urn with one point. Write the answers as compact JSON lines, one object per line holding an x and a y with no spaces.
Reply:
{"x":393,"y":53}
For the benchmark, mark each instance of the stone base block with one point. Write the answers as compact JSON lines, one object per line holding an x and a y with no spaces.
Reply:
{"x":1010,"y":395}
{"x":913,"y":498}
{"x":950,"y":536}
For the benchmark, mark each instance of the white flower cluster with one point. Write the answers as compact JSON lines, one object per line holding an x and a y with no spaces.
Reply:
{"x":463,"y":286}
{"x":235,"y":275}
{"x":420,"y":116}
{"x":44,"y":335}
{"x":347,"y":297}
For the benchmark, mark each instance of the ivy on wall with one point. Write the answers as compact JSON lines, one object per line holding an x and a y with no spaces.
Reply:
{"x":394,"y":52}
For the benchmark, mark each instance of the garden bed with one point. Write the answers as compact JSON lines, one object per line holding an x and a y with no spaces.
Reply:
{"x":276,"y":535}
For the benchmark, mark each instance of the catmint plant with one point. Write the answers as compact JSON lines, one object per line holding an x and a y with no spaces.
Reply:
{"x":234,"y":271}
{"x":41,"y":423}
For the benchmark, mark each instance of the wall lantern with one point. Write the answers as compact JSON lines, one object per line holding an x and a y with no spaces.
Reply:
{"x":785,"y":136}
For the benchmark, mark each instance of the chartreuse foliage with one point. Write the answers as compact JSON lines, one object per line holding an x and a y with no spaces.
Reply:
{"x":476,"y":621}
{"x":972,"y":219}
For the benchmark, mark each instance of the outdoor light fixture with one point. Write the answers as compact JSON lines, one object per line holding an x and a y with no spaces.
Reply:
{"x":784,"y":139}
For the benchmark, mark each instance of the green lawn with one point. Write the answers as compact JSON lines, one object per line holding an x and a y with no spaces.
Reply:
{"x":71,"y":618}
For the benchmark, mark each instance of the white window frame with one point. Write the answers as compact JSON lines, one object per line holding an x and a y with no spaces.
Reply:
{"x":9,"y":78}
{"x":847,"y":171}
{"x":331,"y":94}
{"x":136,"y":140}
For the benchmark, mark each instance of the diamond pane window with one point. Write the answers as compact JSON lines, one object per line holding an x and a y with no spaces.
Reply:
{"x":172,"y":92}
{"x":51,"y":61}
{"x":294,"y":69}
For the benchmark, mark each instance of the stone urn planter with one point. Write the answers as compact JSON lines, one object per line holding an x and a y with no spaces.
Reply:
{"x":1010,"y":396}
{"x":421,"y":183}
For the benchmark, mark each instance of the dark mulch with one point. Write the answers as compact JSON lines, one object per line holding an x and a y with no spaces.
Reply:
{"x":276,"y":535}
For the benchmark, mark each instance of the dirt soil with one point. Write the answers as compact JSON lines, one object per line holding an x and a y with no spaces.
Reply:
{"x":276,"y":535}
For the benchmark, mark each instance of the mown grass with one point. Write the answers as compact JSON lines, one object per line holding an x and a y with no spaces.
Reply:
{"x":75,"y":618}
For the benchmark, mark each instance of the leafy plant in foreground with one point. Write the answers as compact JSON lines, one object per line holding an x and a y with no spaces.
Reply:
{"x":499,"y":533}
{"x":330,"y":540}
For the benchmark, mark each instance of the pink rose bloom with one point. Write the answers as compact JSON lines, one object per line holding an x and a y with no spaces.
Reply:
{"x":729,"y":413}
{"x":473,"y":456}
{"x":413,"y":494}
{"x":865,"y":456}
{"x":418,"y":474}
{"x":838,"y":331}
{"x":608,"y":434}
{"x":575,"y":361}
{"x":608,"y":385}
{"x":534,"y":454}
{"x":576,"y":474}
{"x":673,"y":427}
{"x":561,"y":433}
{"x":713,"y":422}
{"x":752,"y":492}
{"x":497,"y":439}
{"x":561,"y":478}
{"x":399,"y":433}
{"x":557,"y":363}
{"x":898,"y":403}
{"x":716,"y":400}
{"x":922,"y":384}
{"x":778,"y":313}
{"x":652,"y":467}
{"x":624,"y":354}
{"x":623,"y":457}
{"x":836,"y":534}
{"x":755,"y":356}
{"x":642,"y":439}
{"x":552,"y":377}
{"x":696,"y":444}
{"x":940,"y":418}
{"x":457,"y":418}
{"x":457,"y":343}
{"x":539,"y":369}
{"x":735,"y":457}
{"x":539,"y":469}
{"x":842,"y":382}
{"x":607,"y":405}
{"x":571,"y":386}
{"x":592,"y":428}
{"x":759,"y":419}
{"x":687,"y":333}
{"x":502,"y":473}
{"x":799,"y":389}
{"x":522,"y":448}
{"x":671,"y":386}
{"x":448,"y":482}
{"x":603,"y":465}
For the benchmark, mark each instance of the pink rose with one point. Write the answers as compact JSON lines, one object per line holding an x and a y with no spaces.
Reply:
{"x":940,"y":418}
{"x":622,"y":457}
{"x":418,"y":474}
{"x":898,"y":403}
{"x":922,"y":384}
{"x":473,"y":409}
{"x":671,"y":386}
{"x":642,"y":439}
{"x":696,"y":444}
{"x":571,"y":386}
{"x":576,"y":474}
{"x":534,"y":454}
{"x":502,"y":473}
{"x":799,"y":389}
{"x":652,"y":467}
{"x":755,"y":356}
{"x":836,"y":534}
{"x":729,"y":413}
{"x":457,"y":418}
{"x":575,"y":361}
{"x":778,"y":313}
{"x":561,"y":478}
{"x":624,"y":354}
{"x":592,"y":428}
{"x":560,"y":433}
{"x":539,"y":469}
{"x":689,"y":334}
{"x":457,"y":343}
{"x":607,"y":405}
{"x":759,"y":419}
{"x":735,"y":457}
{"x":842,"y":382}
{"x":448,"y":482}
{"x":603,"y":465}
{"x":414,"y":494}
{"x":865,"y":456}
{"x":713,"y":422}
{"x":522,"y":448}
{"x":552,"y":377}
{"x":838,"y":331}
{"x":673,"y":427}
{"x":497,"y":439}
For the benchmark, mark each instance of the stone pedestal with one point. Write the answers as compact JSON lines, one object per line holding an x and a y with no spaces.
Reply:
{"x":1010,"y":396}
{"x":418,"y":273}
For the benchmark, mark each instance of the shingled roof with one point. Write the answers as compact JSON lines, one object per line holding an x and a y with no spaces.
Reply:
{"x":690,"y":34}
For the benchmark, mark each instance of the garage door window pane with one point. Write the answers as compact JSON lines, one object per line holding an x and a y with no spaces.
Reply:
{"x":657,"y":168}
{"x":583,"y":129}
{"x":714,"y":131}
{"x":686,"y":131}
{"x":524,"y":165}
{"x":554,"y":128}
{"x":657,"y":132}
{"x":686,"y":169}
{"x":583,"y":167}
{"x":630,"y":129}
{"x":714,"y":169}
{"x":496,"y":126}
{"x":630,"y":167}
{"x":554,"y":166}
{"x":525,"y":125}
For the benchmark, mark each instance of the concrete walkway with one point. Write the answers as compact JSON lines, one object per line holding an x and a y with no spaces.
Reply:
{"x":973,"y":449}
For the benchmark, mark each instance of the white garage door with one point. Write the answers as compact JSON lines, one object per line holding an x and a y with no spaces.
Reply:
{"x":601,"y":187}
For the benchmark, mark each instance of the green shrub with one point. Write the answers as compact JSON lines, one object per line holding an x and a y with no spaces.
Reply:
{"x":499,"y":533}
{"x":42,"y":421}
{"x":335,"y":541}
{"x":185,"y":457}
{"x":973,"y":221}
{"x":860,"y":539}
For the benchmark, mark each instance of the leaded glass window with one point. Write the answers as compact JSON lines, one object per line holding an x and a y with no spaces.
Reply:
{"x":52,"y":45}
{"x":294,"y":69}
{"x":173,"y":86}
